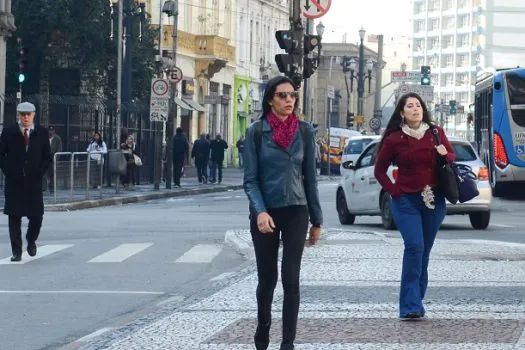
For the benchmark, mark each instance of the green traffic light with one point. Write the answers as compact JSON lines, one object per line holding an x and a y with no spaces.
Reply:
{"x":21,"y":78}
{"x":425,"y":81}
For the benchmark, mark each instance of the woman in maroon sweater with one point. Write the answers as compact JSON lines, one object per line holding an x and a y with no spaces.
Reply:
{"x":418,"y":208}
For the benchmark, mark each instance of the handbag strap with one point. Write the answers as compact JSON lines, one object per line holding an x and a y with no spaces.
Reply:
{"x":436,"y":136}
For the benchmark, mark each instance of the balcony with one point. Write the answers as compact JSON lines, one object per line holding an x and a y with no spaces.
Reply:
{"x":212,"y":51}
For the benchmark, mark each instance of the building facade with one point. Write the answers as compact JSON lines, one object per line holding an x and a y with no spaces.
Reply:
{"x":330,"y":72}
{"x":256,"y":47}
{"x":206,"y":56}
{"x":460,"y":38}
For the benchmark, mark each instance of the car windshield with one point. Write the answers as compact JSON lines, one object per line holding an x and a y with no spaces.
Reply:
{"x":464,"y":152}
{"x":356,"y":146}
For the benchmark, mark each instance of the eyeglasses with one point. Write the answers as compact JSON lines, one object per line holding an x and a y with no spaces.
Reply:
{"x":283,"y":94}
{"x":24,"y":114}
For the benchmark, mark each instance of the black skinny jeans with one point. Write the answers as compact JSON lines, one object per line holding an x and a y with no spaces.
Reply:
{"x":292,"y":224}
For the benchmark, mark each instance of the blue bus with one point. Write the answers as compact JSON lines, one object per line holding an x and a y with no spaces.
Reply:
{"x":499,"y":127}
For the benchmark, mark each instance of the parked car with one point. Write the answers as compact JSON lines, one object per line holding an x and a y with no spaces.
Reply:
{"x":354,"y":147}
{"x":359,"y":192}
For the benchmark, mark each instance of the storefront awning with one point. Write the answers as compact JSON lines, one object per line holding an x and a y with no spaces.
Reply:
{"x":182,"y":104}
{"x":194,"y":105}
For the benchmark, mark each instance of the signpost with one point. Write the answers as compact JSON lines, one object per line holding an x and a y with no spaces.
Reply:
{"x":159,"y":100}
{"x":425,"y":91}
{"x":375,"y":123}
{"x":405,"y":77}
{"x":330,"y":92}
{"x":176,"y":75}
{"x":313,"y":9}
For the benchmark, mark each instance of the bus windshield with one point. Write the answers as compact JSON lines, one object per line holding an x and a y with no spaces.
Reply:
{"x":516,"y":87}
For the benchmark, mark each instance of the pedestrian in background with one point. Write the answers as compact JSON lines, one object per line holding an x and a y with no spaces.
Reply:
{"x":25,"y":155}
{"x":418,"y":208}
{"x":130,"y":152}
{"x":240,"y":150}
{"x":200,"y":152}
{"x":180,"y":154}
{"x":55,"y":142}
{"x":97,"y":149}
{"x":218,"y":146}
{"x":281,"y":185}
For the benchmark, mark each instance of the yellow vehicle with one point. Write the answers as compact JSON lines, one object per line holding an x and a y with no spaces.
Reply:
{"x":338,"y":139}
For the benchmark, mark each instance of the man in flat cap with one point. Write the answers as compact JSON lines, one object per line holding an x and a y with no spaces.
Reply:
{"x":25,"y":156}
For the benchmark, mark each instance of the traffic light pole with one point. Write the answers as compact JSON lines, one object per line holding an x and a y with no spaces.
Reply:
{"x":297,"y":28}
{"x":170,"y":127}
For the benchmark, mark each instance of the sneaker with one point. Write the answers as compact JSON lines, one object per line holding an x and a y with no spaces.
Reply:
{"x":413,"y":316}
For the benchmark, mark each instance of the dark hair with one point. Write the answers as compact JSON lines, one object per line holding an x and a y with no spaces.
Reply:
{"x":99,"y":141}
{"x":396,"y":119}
{"x":269,"y":92}
{"x":178,"y":130}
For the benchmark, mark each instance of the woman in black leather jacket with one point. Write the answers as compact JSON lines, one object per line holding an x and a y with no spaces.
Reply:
{"x":280,"y":182}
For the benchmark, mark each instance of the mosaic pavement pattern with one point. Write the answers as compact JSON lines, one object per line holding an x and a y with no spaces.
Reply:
{"x":350,"y":282}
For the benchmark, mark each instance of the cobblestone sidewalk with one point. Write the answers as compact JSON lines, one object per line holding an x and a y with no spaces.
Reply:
{"x":350,"y":282}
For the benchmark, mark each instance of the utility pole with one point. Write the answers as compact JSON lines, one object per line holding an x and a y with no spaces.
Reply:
{"x":159,"y":127}
{"x":361,"y":78}
{"x":172,"y":9}
{"x":379,"y":72}
{"x":128,"y":48}
{"x":119,"y":74}
{"x":309,"y":30}
{"x":296,"y":24}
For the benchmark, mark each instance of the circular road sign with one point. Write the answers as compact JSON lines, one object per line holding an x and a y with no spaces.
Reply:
{"x":176,"y":75}
{"x":404,"y":89}
{"x":313,"y":9}
{"x":159,"y":87}
{"x":375,"y":123}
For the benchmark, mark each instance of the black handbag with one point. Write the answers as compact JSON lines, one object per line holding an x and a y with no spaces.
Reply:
{"x":456,"y":181}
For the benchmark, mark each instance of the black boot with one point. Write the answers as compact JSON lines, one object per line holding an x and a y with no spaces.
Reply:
{"x":262,"y":336}
{"x":287,"y":347}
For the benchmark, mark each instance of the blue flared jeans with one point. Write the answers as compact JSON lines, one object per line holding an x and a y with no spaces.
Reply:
{"x":418,"y":226}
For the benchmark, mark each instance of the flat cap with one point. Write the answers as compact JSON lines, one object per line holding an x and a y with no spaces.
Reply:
{"x":26,"y":107}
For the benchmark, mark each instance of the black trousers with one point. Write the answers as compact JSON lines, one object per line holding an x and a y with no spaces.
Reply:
{"x":15,"y":231}
{"x":216,"y":166}
{"x":202,"y":172}
{"x":291,"y":223}
{"x":177,"y":170}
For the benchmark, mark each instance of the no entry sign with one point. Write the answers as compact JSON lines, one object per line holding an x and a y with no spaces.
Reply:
{"x":313,"y":9}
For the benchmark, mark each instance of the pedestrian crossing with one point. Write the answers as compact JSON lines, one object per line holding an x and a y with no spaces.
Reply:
{"x":196,"y":254}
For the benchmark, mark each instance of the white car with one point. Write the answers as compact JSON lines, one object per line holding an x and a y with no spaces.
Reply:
{"x":354,"y":146}
{"x":359,"y":193}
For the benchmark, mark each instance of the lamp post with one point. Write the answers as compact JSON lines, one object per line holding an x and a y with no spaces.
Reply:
{"x":360,"y":77}
{"x":171,"y":8}
{"x":360,"y":82}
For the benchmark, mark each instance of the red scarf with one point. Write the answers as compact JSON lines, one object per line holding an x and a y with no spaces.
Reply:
{"x":283,"y":132}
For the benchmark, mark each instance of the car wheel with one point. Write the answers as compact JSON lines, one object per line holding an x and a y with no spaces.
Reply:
{"x":386,"y":213}
{"x":479,"y":220}
{"x":345,"y":218}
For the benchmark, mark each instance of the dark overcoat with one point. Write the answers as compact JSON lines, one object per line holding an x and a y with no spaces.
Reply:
{"x":23,"y":170}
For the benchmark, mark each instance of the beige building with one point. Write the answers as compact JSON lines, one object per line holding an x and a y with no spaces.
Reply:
{"x":206,"y":56}
{"x":330,"y":72}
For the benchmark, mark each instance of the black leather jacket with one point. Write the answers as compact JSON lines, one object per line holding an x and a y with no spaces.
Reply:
{"x":279,"y":178}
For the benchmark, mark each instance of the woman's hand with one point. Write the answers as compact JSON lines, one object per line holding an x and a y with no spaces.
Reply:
{"x":315,"y":235}
{"x":265,"y":223}
{"x":441,"y":150}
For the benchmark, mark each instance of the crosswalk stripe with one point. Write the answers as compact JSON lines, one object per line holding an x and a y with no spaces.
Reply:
{"x":200,"y":253}
{"x":43,"y":251}
{"x":120,"y":253}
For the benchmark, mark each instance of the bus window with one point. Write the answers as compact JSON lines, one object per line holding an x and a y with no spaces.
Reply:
{"x":516,"y":88}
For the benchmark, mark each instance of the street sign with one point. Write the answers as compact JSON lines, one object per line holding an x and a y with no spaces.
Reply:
{"x":176,"y":75}
{"x":405,"y":77}
{"x":330,"y":91}
{"x":313,"y":9}
{"x":443,"y":108}
{"x":159,"y":100}
{"x":375,"y":123}
{"x":425,"y":91}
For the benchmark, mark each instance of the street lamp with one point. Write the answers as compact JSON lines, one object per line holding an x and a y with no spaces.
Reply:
{"x":319,"y":28}
{"x":360,"y":77}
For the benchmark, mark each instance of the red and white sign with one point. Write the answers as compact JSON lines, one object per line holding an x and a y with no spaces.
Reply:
{"x":313,"y":9}
{"x":159,"y":100}
{"x":176,"y":75}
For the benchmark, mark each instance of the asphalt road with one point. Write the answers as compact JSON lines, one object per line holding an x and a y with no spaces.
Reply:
{"x":109,"y":266}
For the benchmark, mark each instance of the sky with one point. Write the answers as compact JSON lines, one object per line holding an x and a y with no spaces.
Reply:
{"x":388,"y":17}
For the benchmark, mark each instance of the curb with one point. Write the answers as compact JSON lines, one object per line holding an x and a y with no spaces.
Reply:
{"x":134,"y":199}
{"x":234,"y":239}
